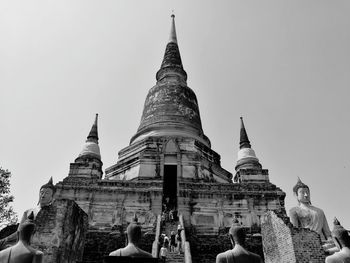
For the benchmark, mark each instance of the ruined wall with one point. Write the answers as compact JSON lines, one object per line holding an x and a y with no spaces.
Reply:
{"x":277,"y":240}
{"x":284,"y":243}
{"x":114,"y":203}
{"x":214,"y":205}
{"x":60,"y":232}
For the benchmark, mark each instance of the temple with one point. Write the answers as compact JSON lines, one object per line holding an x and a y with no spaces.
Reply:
{"x":169,"y":165}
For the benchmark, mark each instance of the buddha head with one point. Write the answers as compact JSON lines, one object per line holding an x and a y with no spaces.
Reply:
{"x":134,"y":233}
{"x":302,"y":192}
{"x":237,"y":233}
{"x":340,"y":235}
{"x":27,"y":228}
{"x":46,"y":193}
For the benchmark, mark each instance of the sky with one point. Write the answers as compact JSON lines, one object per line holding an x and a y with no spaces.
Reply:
{"x":282,"y":65}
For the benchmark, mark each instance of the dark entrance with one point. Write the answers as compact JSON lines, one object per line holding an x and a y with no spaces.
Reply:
{"x":170,"y":187}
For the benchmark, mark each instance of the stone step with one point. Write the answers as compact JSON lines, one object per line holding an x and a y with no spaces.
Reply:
{"x":168,"y":227}
{"x":207,"y":230}
{"x":175,"y":259}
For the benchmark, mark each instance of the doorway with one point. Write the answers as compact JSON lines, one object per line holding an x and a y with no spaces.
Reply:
{"x":170,"y":188}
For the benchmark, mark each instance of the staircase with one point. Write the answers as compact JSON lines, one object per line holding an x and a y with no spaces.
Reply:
{"x":167,"y":227}
{"x":173,"y":257}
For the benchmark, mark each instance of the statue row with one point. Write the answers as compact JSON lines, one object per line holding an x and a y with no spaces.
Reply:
{"x":22,"y":252}
{"x":240,"y":254}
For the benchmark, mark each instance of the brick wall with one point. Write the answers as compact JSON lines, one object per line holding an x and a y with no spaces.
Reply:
{"x":284,"y":243}
{"x":60,"y":232}
{"x":277,"y":240}
{"x":307,"y":246}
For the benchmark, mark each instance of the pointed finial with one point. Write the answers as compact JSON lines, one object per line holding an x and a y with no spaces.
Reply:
{"x":172,"y":65}
{"x":244,"y":141}
{"x":135,"y":219}
{"x":96,"y":117}
{"x":340,"y":234}
{"x":31,"y":216}
{"x":173,"y":38}
{"x":93,"y":134}
{"x":336,"y":222}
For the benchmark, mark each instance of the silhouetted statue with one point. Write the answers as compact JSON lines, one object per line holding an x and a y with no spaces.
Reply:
{"x":46,"y":194}
{"x":132,"y":249}
{"x":341,"y":239}
{"x":22,"y":252}
{"x":306,"y":215}
{"x":239,"y":254}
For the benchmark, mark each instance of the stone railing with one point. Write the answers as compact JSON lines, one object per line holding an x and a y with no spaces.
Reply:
{"x":155,"y":246}
{"x":185,"y":244}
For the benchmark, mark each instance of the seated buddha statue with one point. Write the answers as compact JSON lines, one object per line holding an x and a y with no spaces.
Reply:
{"x":306,"y":215}
{"x":46,"y":194}
{"x":132,"y":248}
{"x":239,"y":253}
{"x":22,"y":252}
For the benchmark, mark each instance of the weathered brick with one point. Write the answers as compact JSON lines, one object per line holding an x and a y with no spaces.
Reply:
{"x":284,"y":243}
{"x":60,"y":232}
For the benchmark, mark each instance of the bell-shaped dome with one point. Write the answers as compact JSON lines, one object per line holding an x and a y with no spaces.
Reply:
{"x":171,"y":107}
{"x":246,"y":157}
{"x":91,"y":147}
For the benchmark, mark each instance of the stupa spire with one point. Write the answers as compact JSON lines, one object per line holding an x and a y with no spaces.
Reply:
{"x":244,"y":141}
{"x":171,"y":68}
{"x":246,"y":155}
{"x":93,"y":134}
{"x":88,"y":164}
{"x":171,"y":107}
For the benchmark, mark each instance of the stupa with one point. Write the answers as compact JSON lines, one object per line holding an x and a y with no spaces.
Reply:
{"x":169,"y":165}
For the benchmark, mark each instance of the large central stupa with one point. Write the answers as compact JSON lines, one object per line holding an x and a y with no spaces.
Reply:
{"x":169,"y":165}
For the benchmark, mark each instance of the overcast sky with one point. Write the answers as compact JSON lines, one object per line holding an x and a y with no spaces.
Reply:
{"x":282,"y":65}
